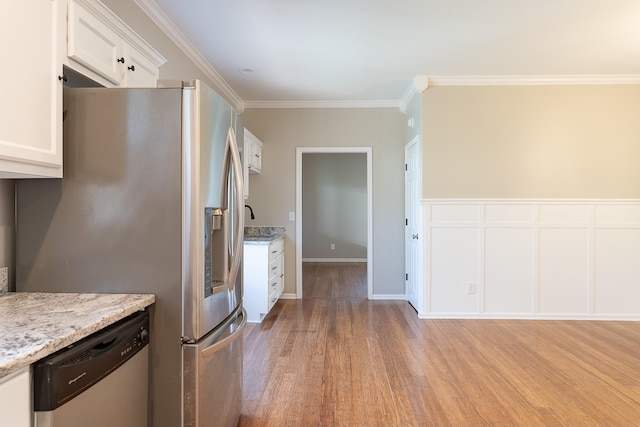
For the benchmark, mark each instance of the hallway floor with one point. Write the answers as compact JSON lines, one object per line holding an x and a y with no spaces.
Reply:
{"x":335,"y":358}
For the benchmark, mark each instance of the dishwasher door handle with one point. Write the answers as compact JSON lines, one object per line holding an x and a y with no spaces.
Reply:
{"x":219,"y":345}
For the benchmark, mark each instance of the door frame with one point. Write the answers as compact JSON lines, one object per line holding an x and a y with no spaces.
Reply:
{"x":334,"y":150}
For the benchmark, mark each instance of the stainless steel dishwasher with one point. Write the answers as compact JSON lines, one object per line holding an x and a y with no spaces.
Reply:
{"x":100,"y":381}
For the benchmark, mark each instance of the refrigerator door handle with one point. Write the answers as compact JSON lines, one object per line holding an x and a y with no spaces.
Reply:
{"x":219,"y":345}
{"x":237,"y":173}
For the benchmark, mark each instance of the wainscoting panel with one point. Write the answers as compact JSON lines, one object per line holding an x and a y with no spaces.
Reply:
{"x":617,"y":271}
{"x":454,"y":262}
{"x":508,"y":268}
{"x":563,"y":281}
{"x":547,"y":259}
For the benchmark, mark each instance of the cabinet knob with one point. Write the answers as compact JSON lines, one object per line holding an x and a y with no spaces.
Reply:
{"x":415,"y":236}
{"x":132,"y":68}
{"x":63,"y":78}
{"x":121,"y":59}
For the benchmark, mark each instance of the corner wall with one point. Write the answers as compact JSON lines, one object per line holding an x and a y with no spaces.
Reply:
{"x":531,"y":194}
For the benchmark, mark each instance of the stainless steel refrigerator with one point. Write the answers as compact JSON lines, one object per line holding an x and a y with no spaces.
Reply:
{"x":151,"y":202}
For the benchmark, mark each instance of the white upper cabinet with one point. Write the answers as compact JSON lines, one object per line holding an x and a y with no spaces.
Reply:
{"x":39,"y":37}
{"x":104,"y":48}
{"x":31,"y":100}
{"x":139,"y":70}
{"x":251,"y":158}
{"x":94,"y":44}
{"x":253,"y":149}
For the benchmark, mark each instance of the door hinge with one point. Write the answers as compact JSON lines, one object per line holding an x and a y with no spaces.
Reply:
{"x":406,"y":221}
{"x":406,"y":167}
{"x":406,"y":276}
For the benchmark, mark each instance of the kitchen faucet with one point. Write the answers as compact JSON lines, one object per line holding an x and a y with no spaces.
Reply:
{"x":251,"y":209}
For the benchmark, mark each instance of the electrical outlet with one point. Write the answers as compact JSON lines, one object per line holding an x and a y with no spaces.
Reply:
{"x":471,"y":287}
{"x":292,"y":216}
{"x":333,"y":246}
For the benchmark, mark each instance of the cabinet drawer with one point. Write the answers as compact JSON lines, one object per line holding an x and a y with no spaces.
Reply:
{"x":275,"y":250}
{"x":275,"y":269}
{"x":273,"y":297}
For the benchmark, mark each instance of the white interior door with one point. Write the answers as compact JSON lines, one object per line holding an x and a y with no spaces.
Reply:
{"x":413,"y":181}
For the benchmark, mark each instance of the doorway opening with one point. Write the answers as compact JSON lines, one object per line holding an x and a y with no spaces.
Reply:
{"x":339,"y":215}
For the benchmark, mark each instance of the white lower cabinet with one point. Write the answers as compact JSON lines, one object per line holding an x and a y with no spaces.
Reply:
{"x":263,"y":278}
{"x":15,"y":399}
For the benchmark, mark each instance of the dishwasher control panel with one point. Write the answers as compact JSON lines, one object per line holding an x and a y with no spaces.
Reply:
{"x":74,"y":369}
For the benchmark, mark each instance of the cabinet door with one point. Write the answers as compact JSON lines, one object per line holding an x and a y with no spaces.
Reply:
{"x":254,"y":152}
{"x":93,"y":44}
{"x":140,"y":71}
{"x":15,"y":399}
{"x":31,"y":100}
{"x":280,"y":274}
{"x":257,"y":157}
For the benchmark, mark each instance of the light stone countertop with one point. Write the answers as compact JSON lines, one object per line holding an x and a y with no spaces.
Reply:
{"x":263,"y":235}
{"x":34,"y":325}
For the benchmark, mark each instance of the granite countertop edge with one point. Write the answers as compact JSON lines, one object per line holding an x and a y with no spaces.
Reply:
{"x":263,"y":240}
{"x":263,"y":235}
{"x":34,"y":325}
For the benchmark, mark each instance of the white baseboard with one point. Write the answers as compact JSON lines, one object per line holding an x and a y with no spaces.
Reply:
{"x":389,"y":297}
{"x":334,"y":260}
{"x":288,"y":296}
{"x":525,"y":316}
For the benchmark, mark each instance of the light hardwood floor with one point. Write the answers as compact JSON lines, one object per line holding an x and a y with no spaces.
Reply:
{"x":335,"y":358}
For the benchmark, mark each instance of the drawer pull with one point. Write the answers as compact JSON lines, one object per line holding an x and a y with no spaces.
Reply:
{"x":273,"y":268}
{"x":274,"y":252}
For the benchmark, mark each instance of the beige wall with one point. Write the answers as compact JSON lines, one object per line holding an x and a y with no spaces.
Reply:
{"x":531,"y":142}
{"x":272,"y":193}
{"x":334,"y":205}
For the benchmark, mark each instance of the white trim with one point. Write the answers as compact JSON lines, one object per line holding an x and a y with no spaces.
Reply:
{"x":299,"y":152}
{"x":288,"y":296}
{"x":520,"y":316}
{"x":418,"y":85}
{"x":535,"y":80}
{"x":151,"y":8}
{"x":406,"y":98}
{"x":323,"y":104}
{"x":388,"y":297}
{"x":516,"y":201}
{"x":334,"y":260}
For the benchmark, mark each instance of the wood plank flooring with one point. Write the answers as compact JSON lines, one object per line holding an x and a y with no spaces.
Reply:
{"x":335,"y":358}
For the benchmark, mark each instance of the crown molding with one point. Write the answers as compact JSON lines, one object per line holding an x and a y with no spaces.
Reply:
{"x":151,"y":8}
{"x":535,"y":80}
{"x":418,"y":85}
{"x":322,"y":104}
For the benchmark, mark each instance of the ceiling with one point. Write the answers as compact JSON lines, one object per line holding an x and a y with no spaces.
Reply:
{"x":286,"y":52}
